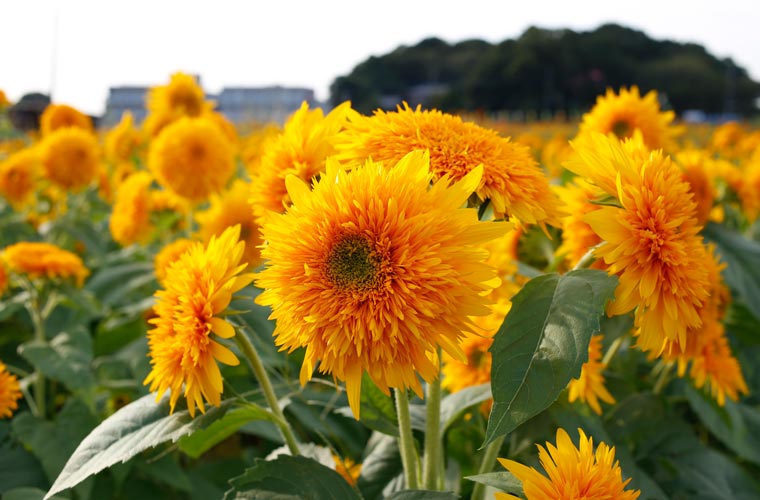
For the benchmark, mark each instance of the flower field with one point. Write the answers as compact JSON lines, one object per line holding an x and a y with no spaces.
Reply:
{"x":411,"y":304}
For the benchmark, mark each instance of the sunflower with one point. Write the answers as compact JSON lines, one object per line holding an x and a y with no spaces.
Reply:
{"x":10,"y":392}
{"x":228,"y":209}
{"x":182,"y":96}
{"x":697,"y":171}
{"x":18,"y":177}
{"x":749,"y":189}
{"x":374,"y":271}
{"x":198,"y":288}
{"x":58,"y":116}
{"x":44,"y":260}
{"x":574,"y":473}
{"x":130,"y":218}
{"x":193,"y":158}
{"x":512,"y":180}
{"x":589,"y":386}
{"x":70,"y":157}
{"x":622,"y":114}
{"x":651,"y":238}
{"x":122,"y":141}
{"x":707,"y":349}
{"x":255,"y":144}
{"x":307,"y":139}
{"x":168,"y":255}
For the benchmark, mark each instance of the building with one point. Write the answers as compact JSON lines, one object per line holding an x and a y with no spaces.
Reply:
{"x":239,"y":104}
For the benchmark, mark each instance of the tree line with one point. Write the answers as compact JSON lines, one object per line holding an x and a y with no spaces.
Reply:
{"x":548,"y":71}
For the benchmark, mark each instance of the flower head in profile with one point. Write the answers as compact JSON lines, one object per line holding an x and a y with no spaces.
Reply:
{"x":58,"y":116}
{"x":167,"y":255}
{"x":698,"y":172}
{"x":573,"y":473}
{"x":130,"y":218}
{"x":307,"y":139}
{"x":651,"y":237}
{"x":18,"y":176}
{"x":192,"y":158}
{"x":10,"y":392}
{"x":70,"y":158}
{"x":231,"y":208}
{"x":589,"y":386}
{"x":44,"y":260}
{"x":622,"y":114}
{"x":374,"y":270}
{"x":181,"y":97}
{"x":183,"y":346}
{"x":512,"y":180}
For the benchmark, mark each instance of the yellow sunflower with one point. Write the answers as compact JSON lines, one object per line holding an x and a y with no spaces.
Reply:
{"x":182,"y":96}
{"x":228,"y":209}
{"x":198,"y":288}
{"x":622,"y":114}
{"x":749,"y":189}
{"x":58,"y":116}
{"x":255,"y":144}
{"x":374,"y":270}
{"x":512,"y":180}
{"x":307,"y":139}
{"x":697,"y":171}
{"x":651,"y":239}
{"x":10,"y":392}
{"x":130,"y":217}
{"x":70,"y":157}
{"x":193,"y":158}
{"x":122,"y":141}
{"x":44,"y":260}
{"x":573,"y":473}
{"x":167,"y":256}
{"x":18,"y":177}
{"x":589,"y":386}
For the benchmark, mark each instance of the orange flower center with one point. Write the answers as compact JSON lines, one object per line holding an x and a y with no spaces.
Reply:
{"x":353,"y":264}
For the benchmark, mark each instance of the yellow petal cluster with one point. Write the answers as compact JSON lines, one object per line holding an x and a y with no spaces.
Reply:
{"x":44,"y":260}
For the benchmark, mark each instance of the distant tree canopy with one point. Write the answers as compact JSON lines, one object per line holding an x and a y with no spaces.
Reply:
{"x":548,"y":71}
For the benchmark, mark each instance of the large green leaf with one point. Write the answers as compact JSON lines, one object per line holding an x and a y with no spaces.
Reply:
{"x":736,"y":425}
{"x":742,"y":257}
{"x":200,"y":441}
{"x":19,"y":468}
{"x":138,"y":426}
{"x":502,"y":480}
{"x":289,"y":477}
{"x":381,"y":465}
{"x":543,"y":342}
{"x":66,"y":358}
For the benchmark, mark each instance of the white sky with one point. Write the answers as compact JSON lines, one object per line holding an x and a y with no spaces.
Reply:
{"x":304,"y":43}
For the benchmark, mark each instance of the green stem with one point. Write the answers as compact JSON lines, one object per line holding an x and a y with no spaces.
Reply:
{"x":266,"y":386}
{"x":486,"y":466}
{"x":613,"y":349}
{"x":39,"y":336}
{"x":406,"y":440}
{"x":432,"y":457}
{"x":662,"y":379}
{"x":588,"y":258}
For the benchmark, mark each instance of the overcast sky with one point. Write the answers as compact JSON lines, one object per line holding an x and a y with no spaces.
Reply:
{"x":79,"y":48}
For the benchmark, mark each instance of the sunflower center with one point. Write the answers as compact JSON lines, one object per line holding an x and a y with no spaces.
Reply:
{"x":353,"y":264}
{"x":622,"y":129}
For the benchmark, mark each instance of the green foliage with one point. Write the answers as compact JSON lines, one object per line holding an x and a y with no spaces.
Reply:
{"x":543,"y":343}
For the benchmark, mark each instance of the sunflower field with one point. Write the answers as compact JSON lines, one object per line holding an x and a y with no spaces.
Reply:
{"x":407,"y":305}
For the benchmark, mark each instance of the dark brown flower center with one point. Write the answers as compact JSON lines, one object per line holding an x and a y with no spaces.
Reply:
{"x":353,"y":263}
{"x":622,"y":129}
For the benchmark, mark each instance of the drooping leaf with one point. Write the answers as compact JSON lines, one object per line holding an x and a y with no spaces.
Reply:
{"x":381,"y":464}
{"x":736,"y":425}
{"x":454,"y":405}
{"x":543,"y":342}
{"x":290,"y":477}
{"x":502,"y":481}
{"x":422,"y":495}
{"x":200,"y":441}
{"x":742,"y":256}
{"x":136,"y":427}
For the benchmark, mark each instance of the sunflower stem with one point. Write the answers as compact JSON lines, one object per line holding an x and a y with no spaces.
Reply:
{"x":260,"y":372}
{"x":409,"y":457}
{"x":38,"y":321}
{"x":662,"y":379}
{"x":613,"y":349}
{"x":588,"y":258}
{"x":432,"y":458}
{"x":486,"y":465}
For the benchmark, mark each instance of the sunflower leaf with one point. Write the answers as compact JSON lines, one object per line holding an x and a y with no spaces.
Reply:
{"x":136,"y":427}
{"x":542,"y":344}
{"x":290,"y":477}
